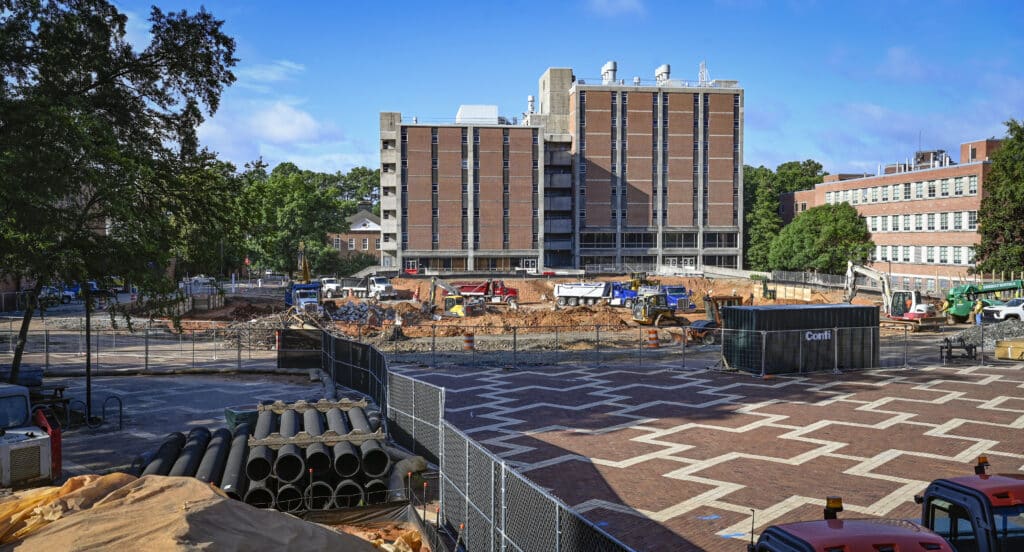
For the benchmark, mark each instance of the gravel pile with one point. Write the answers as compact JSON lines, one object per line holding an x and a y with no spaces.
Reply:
{"x":359,"y":312}
{"x":1009,"y":329}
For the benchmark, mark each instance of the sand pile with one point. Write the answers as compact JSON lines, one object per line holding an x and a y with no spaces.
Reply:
{"x":177,"y":513}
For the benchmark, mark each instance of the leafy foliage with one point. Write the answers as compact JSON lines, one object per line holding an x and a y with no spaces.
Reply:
{"x":823,"y":238}
{"x":793,"y":176}
{"x":1001,"y":216}
{"x":100,"y":169}
{"x":763,"y":220}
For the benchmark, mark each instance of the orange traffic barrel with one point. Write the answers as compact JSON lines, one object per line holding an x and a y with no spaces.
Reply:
{"x":277,"y":340}
{"x":652,"y":339}
{"x":468,"y":342}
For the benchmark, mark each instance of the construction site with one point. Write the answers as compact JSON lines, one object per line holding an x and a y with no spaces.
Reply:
{"x":619,"y":412}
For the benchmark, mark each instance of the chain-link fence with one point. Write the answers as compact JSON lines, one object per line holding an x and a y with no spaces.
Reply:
{"x":484,"y":504}
{"x":144,"y":348}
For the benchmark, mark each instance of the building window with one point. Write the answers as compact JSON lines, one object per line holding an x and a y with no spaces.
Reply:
{"x":942,"y":255}
{"x":931,"y":221}
{"x":874,"y":223}
{"x":885,"y":193}
{"x":944,"y":187}
{"x":895,"y":223}
{"x":351,"y":244}
{"x":930,"y":254}
{"x":906,"y":223}
{"x":854,"y":196}
{"x":366,"y":244}
{"x":906,"y":191}
{"x":874,"y":194}
{"x":958,"y":186}
{"x":918,"y":222}
{"x":885,"y":223}
{"x":918,"y":190}
{"x":972,"y":220}
{"x":957,"y":221}
{"x":337,"y":242}
{"x":972,"y":184}
{"x":956,"y":255}
{"x":376,"y":243}
{"x":906,"y":253}
{"x":943,"y":221}
{"x":931,"y":189}
{"x":803,"y":206}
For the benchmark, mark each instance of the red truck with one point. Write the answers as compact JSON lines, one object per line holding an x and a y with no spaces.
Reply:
{"x":492,"y":291}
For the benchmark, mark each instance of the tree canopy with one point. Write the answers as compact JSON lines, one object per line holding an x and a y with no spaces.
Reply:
{"x":100,"y":168}
{"x":793,"y":176}
{"x":1001,"y":216}
{"x":762,"y":188}
{"x":823,"y":238}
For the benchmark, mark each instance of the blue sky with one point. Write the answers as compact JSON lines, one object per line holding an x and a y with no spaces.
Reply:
{"x":849,"y":84}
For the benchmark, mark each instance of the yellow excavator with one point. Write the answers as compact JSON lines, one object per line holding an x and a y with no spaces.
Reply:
{"x":454,"y":303}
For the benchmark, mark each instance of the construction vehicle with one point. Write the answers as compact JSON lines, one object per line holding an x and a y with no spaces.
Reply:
{"x":581,"y":293}
{"x":653,"y":309}
{"x":708,"y":331}
{"x":678,"y":297}
{"x":375,"y":287}
{"x":962,"y":301}
{"x":491,"y":291}
{"x":900,"y":308}
{"x":28,"y":440}
{"x":303,"y":295}
{"x":455,"y":304}
{"x":977,"y":513}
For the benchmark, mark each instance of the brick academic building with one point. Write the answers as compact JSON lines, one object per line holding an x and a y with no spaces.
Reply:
{"x":638,"y":175}
{"x":923,"y":216}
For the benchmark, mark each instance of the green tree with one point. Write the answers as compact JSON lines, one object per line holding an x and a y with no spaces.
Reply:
{"x":794,"y":176}
{"x":290,"y":206}
{"x":1001,"y":216}
{"x":361,"y":184}
{"x":762,"y":216}
{"x":823,"y":239}
{"x":100,"y":169}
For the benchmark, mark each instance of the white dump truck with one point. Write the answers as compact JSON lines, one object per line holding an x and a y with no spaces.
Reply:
{"x":581,"y":293}
{"x":376,"y":287}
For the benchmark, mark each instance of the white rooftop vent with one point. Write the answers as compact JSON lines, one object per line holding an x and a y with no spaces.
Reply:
{"x":636,"y":81}
{"x":477,"y":114}
{"x":529,"y":104}
{"x":662,"y":73}
{"x":608,"y":72}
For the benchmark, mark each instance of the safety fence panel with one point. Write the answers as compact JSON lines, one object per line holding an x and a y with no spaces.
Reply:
{"x":414,"y":410}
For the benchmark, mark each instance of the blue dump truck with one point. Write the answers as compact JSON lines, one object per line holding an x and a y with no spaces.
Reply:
{"x":304,"y":297}
{"x":679,"y":297}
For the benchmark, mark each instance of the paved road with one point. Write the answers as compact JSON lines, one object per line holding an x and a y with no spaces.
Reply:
{"x":675,"y":459}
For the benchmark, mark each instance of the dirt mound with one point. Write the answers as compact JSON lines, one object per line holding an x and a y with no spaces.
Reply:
{"x":182,"y":513}
{"x":239,"y":308}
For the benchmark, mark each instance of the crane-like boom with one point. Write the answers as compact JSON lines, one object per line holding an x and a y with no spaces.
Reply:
{"x":852,"y":270}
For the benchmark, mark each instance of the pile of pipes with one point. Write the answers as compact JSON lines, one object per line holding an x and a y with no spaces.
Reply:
{"x":304,"y":456}
{"x":356,"y":312}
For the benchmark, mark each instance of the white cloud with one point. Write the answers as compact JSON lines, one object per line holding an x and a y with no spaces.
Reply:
{"x":282,"y":123}
{"x":609,"y":8}
{"x":277,"y":71}
{"x":136,"y":31}
{"x":902,"y":64}
{"x":326,"y":157}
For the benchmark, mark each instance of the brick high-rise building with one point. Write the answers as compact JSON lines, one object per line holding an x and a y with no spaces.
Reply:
{"x":644,"y":175}
{"x":922,"y":215}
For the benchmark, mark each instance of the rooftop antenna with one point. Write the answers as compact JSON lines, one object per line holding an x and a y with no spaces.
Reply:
{"x":702,"y":75}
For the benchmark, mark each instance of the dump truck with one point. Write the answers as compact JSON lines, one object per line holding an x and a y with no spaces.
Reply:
{"x":490,"y":290}
{"x":304,"y":297}
{"x":27,"y":441}
{"x":581,"y":293}
{"x":375,"y":287}
{"x":976,"y":513}
{"x":900,"y":308}
{"x":962,"y":301}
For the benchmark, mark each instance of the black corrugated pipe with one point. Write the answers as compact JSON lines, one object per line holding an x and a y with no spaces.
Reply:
{"x":375,"y":461}
{"x":373,"y":418}
{"x":261,"y":458}
{"x":166,"y":455}
{"x":191,"y":453}
{"x":262,"y":494}
{"x":346,"y":458}
{"x":347,"y":494}
{"x":290,"y":497}
{"x":290,"y":464}
{"x":234,"y":483}
{"x":330,"y":390}
{"x":318,"y":456}
{"x":319,"y":496}
{"x":404,"y":464}
{"x":211,"y":468}
{"x":376,"y":492}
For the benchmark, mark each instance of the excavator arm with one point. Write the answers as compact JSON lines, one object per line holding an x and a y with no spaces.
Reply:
{"x":852,"y":270}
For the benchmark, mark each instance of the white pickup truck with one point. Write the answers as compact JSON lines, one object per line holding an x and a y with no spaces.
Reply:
{"x":1012,"y":309}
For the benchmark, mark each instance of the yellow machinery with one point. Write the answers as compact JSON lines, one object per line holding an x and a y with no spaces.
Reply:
{"x":454,"y":303}
{"x":653,"y":309}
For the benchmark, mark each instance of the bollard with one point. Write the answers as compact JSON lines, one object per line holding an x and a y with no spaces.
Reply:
{"x":468,"y":342}
{"x":652,"y":339}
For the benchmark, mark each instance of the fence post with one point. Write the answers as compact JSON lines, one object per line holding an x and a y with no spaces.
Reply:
{"x":906,"y":348}
{"x":98,"y":333}
{"x":597,"y":347}
{"x":682,"y":346}
{"x":515,"y":347}
{"x":46,"y":349}
{"x":981,"y":345}
{"x":145,"y":348}
{"x":238,"y":358}
{"x":764,"y":342}
{"x":835,"y":350}
{"x":433,"y":345}
{"x":558,"y":528}
{"x":193,"y":348}
{"x":640,"y":346}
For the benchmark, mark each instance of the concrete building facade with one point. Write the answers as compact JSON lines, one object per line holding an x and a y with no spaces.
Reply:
{"x":641,"y":176}
{"x":922,"y":215}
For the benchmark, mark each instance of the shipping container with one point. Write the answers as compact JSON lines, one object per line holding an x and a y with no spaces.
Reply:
{"x":782,"y":339}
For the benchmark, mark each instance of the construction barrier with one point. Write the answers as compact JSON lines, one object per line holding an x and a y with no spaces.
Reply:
{"x":468,"y":342}
{"x":652,"y":339}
